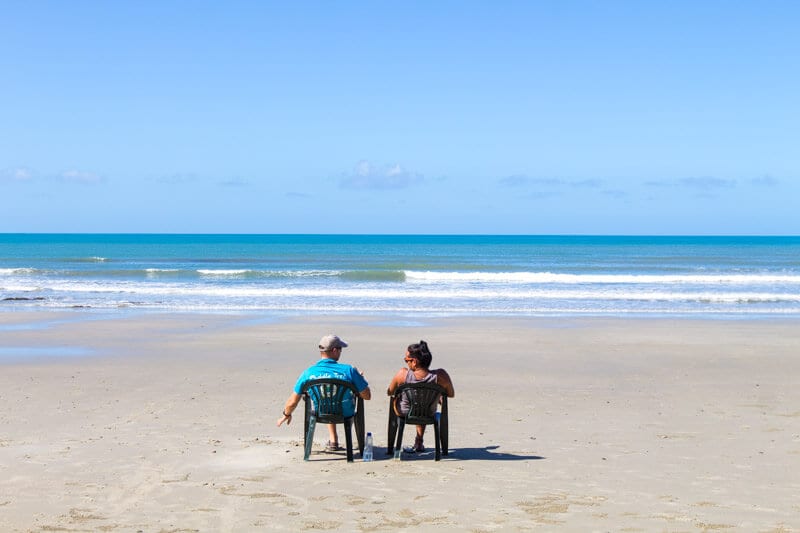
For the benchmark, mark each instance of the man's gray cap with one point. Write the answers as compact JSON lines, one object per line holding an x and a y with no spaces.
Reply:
{"x":329,"y":342}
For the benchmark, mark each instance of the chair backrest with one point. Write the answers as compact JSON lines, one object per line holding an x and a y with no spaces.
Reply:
{"x":327,"y":397}
{"x":423,"y":399}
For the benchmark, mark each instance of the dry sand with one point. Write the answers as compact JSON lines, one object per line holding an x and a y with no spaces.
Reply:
{"x":167,"y":423}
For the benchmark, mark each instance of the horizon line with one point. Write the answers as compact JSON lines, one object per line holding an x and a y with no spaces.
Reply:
{"x":300,"y":234}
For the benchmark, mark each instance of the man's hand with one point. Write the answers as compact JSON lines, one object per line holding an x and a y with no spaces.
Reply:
{"x":291,"y":405}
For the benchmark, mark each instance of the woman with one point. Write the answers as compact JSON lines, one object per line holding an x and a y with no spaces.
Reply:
{"x":418,"y":360}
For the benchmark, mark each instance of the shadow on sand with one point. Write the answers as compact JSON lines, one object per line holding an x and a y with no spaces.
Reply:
{"x":486,"y":453}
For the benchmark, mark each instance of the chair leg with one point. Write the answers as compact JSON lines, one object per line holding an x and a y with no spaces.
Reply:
{"x":348,"y":438}
{"x":436,"y":437}
{"x":392,"y":430}
{"x":306,"y":417}
{"x":312,"y":422}
{"x":401,"y":424}
{"x":359,"y":425}
{"x":443,"y":431}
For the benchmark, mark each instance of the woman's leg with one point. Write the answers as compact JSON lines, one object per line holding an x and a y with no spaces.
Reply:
{"x":418,"y":445}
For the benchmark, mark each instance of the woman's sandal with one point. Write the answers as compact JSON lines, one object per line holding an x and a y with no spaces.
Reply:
{"x":418,"y":447}
{"x":332,"y":447}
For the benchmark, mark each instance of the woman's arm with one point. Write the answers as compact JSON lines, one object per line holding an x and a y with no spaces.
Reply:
{"x":397,"y":380}
{"x":443,"y":379}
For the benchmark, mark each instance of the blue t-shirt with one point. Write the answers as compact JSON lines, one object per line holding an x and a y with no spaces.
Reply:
{"x":328,"y":368}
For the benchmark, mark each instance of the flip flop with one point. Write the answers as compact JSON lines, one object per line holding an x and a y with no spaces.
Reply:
{"x":333,"y":447}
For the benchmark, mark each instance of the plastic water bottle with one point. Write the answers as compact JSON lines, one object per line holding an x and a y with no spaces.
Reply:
{"x":368,"y":448}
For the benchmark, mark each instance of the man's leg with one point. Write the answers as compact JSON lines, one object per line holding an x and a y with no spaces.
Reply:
{"x":334,"y":438}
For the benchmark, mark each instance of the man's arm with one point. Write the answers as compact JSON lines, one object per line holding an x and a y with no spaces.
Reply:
{"x":291,"y":405}
{"x":357,"y":378}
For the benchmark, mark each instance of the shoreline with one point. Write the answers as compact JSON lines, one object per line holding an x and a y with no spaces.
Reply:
{"x":561,"y":424}
{"x":7,"y":308}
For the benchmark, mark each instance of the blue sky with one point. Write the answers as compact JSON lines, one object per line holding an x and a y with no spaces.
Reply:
{"x":555,"y":117}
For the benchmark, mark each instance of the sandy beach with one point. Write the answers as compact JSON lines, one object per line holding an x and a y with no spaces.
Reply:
{"x":167,"y":423}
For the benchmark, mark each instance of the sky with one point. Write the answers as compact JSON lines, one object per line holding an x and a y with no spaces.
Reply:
{"x":446,"y":117}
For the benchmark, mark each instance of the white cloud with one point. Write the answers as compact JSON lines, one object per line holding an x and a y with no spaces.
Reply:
{"x":659,"y":183}
{"x":178,"y":179}
{"x":615,"y":193}
{"x":765,"y":181}
{"x":707,"y":183}
{"x":235,"y":182}
{"x":588,"y":183}
{"x":84,"y":178}
{"x":525,"y":181}
{"x":519,"y":180}
{"x":365,"y":175}
{"x":514,"y":181}
{"x":543,"y":195}
{"x":16,"y":174}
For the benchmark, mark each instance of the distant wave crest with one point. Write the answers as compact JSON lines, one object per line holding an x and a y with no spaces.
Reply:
{"x":550,"y":277}
{"x":373,"y":275}
{"x":16,"y":271}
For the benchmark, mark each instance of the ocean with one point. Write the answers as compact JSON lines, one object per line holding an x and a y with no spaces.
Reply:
{"x":404,"y":275}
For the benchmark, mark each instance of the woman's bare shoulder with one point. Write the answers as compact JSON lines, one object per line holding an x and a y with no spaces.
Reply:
{"x":397,"y":380}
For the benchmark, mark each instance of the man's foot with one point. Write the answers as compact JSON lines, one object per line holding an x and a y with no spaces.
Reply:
{"x":332,"y":447}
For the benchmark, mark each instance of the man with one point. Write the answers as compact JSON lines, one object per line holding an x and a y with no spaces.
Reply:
{"x":328,"y":366}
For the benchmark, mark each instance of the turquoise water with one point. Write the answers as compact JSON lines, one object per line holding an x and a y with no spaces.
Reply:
{"x":404,"y":275}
